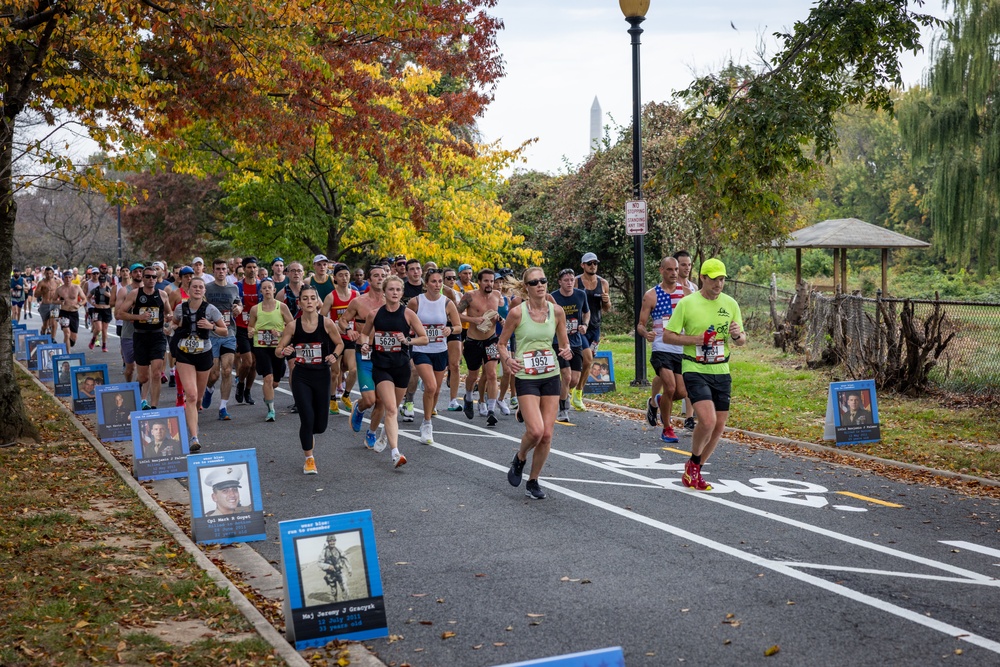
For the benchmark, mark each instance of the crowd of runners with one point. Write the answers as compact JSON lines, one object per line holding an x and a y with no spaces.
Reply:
{"x":401,"y":327}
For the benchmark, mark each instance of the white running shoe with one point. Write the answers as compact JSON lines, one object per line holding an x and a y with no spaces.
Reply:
{"x":504,"y":408}
{"x":427,"y":433}
{"x":380,"y":440}
{"x":455,"y":405}
{"x":482,"y":409}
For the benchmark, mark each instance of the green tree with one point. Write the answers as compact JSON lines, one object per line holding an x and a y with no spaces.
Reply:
{"x":956,"y":130}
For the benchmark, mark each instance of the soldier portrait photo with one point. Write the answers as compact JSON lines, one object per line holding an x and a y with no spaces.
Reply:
{"x":226,"y":490}
{"x":332,"y":568}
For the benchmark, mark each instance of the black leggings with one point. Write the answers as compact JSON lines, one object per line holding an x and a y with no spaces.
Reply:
{"x":311,"y":391}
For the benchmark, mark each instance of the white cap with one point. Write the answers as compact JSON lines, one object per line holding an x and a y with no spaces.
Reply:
{"x":224,"y":478}
{"x":159,"y":265}
{"x":320,"y":258}
{"x":198,"y":260}
{"x":589,"y":257}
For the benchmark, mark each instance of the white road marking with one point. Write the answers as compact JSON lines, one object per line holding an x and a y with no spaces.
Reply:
{"x":971,"y":546}
{"x":890,"y":573}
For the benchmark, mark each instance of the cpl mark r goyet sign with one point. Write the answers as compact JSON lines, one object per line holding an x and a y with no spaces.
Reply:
{"x":635,"y":218}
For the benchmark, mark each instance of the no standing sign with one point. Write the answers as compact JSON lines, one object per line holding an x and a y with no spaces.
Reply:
{"x":635,"y":218}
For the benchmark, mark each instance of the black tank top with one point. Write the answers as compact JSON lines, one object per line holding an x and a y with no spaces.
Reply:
{"x":292,"y":301}
{"x":189,"y":322}
{"x":388,"y":332}
{"x":311,"y":349}
{"x":148,"y":303}
{"x":102,"y":296}
{"x":594,"y":300}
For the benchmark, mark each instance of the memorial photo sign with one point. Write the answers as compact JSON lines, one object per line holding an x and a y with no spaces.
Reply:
{"x":159,"y":444}
{"x":601,"y":378}
{"x":115,"y":405}
{"x":62,"y":368}
{"x":84,"y":381}
{"x":226,"y":500}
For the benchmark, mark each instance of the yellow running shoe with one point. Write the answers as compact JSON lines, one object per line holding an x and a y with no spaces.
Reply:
{"x":334,"y":410}
{"x":345,"y":399}
{"x":309,"y":468}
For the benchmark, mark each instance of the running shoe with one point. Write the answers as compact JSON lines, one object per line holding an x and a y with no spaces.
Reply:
{"x":104,"y":348}
{"x":518,"y":417}
{"x":455,"y":405}
{"x":381,"y":441}
{"x":369,"y":439}
{"x":246,"y":397}
{"x":334,"y":408}
{"x":434,"y":412}
{"x":144,"y":405}
{"x":491,"y":419}
{"x":467,"y":407}
{"x":689,"y":423}
{"x":206,"y":400}
{"x":195,"y":446}
{"x":483,"y":409}
{"x":532,"y":490}
{"x":91,"y":346}
{"x":163,"y":378}
{"x":345,"y":399}
{"x":270,"y":416}
{"x":700,"y":483}
{"x":357,"y":416}
{"x":408,"y":411}
{"x":516,"y":471}
{"x":668,"y":434}
{"x":239,"y":391}
{"x":504,"y":407}
{"x":563,"y":416}
{"x":224,"y":415}
{"x":692,"y":478}
{"x":309,"y":467}
{"x":179,"y":403}
{"x":398,"y":460}
{"x":427,"y":433}
{"x":513,"y":402}
{"x":652,"y":405}
{"x":173,"y":380}
{"x":294,"y":409}
{"x":576,"y":400}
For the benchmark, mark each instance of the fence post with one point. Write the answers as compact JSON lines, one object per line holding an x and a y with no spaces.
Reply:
{"x":878,"y":324}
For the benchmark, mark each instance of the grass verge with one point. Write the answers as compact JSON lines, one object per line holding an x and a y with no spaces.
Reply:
{"x":91,"y":577}
{"x":775,"y":393}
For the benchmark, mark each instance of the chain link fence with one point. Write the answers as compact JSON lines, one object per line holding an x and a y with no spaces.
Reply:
{"x":755,"y":304}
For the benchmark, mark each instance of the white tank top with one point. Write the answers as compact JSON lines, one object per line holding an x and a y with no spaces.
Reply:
{"x":434,"y":316}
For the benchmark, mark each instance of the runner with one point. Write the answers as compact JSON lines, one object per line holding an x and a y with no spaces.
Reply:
{"x":506,"y":280}
{"x":440,"y":317}
{"x":535,"y":323}
{"x":278,"y":274}
{"x":712,"y":323}
{"x":683,"y":258}
{"x":668,"y":386}
{"x":290,"y":294}
{"x":386,"y":337}
{"x":399,"y":267}
{"x":131,"y":280}
{"x":71,"y":297}
{"x":198,"y":264}
{"x":88,"y":286}
{"x":316,"y":344}
{"x":48,"y":302}
{"x":246,"y":367}
{"x":454,"y":342}
{"x":320,"y":279}
{"x":353,"y":320}
{"x":479,"y":308}
{"x":29,"y":290}
{"x":334,"y":304}
{"x":179,"y":295}
{"x":574,"y":304}
{"x":145,"y":308}
{"x":267,"y":320}
{"x":194,"y":320}
{"x":17,"y":295}
{"x":226,"y":298}
{"x":359,"y":284}
{"x":100,"y":300}
{"x":412,"y":288}
{"x":599,"y":301}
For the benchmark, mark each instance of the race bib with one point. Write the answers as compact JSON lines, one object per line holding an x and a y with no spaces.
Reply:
{"x":366,"y":356}
{"x":538,"y":362}
{"x":267,"y":339}
{"x":572,"y":324}
{"x":227,"y":317}
{"x":435,"y":333}
{"x":149,"y":314}
{"x":492,"y":352}
{"x":193,"y":345}
{"x":714,"y":353}
{"x":64,"y":322}
{"x":388,"y":341}
{"x":658,"y":327}
{"x":309,"y":353}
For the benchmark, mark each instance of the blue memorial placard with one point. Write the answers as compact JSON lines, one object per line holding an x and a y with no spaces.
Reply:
{"x":20,"y":348}
{"x":226,"y":501}
{"x":602,"y":657}
{"x":601,"y":378}
{"x":159,"y":444}
{"x":32,"y":343}
{"x":115,"y":405}
{"x":852,"y":413}
{"x":17,"y":326}
{"x":84,"y":381}
{"x":62,"y":365}
{"x":333,"y":584}
{"x":45,"y":354}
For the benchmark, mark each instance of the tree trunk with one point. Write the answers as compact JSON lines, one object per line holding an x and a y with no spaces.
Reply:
{"x":14,"y":422}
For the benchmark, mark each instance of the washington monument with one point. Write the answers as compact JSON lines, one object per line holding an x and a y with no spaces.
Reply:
{"x":595,"y":126}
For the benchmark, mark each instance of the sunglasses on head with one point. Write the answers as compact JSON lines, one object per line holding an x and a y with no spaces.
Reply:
{"x":536,"y":282}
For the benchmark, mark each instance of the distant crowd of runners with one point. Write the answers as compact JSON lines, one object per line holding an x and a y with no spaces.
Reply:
{"x":401,"y":326}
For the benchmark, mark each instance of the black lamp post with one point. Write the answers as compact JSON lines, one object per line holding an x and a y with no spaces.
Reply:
{"x":635,"y":13}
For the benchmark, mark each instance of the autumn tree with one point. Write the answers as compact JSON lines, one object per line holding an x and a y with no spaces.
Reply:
{"x":266,"y":72}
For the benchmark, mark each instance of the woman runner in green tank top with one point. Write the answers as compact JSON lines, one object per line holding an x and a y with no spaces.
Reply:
{"x":267,"y":320}
{"x":535,"y":323}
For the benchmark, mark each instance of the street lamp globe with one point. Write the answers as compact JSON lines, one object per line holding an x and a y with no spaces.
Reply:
{"x":634,"y":8}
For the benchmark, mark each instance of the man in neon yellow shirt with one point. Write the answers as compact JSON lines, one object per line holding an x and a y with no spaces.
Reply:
{"x":712,"y":324}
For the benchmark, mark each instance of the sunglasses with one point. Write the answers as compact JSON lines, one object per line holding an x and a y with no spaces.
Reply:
{"x":400,"y":263}
{"x":151,"y":277}
{"x":451,"y":277}
{"x":536,"y":282}
{"x":591,"y":263}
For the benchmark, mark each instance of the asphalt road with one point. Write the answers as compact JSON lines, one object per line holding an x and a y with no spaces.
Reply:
{"x":833,"y":565}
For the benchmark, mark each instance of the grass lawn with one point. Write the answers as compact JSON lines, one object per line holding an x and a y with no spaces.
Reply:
{"x":775,"y":393}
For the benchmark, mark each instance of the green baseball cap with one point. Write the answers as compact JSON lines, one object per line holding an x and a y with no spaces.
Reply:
{"x":713,"y":268}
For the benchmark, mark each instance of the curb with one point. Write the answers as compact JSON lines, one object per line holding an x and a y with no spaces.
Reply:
{"x":267,"y":631}
{"x":913,"y":467}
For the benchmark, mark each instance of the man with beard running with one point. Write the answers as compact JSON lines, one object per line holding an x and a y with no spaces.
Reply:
{"x":599,"y":300}
{"x":353,"y":321}
{"x":145,"y":308}
{"x":479,"y":310}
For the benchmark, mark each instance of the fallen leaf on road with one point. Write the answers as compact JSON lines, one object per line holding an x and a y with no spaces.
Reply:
{"x":480,"y":575}
{"x":440,"y":600}
{"x":426,"y":622}
{"x":509,"y":628}
{"x":418,"y":595}
{"x":499,"y":643}
{"x":790,"y":602}
{"x":477,"y":647}
{"x":535,"y":615}
{"x":447,"y":634}
{"x":727,"y":642}
{"x":401,"y":562}
{"x":772,"y":651}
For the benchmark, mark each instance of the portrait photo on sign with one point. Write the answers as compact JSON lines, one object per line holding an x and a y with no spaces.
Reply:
{"x":118,"y":406}
{"x":332,"y":568}
{"x":86,"y":383}
{"x":855,"y":407}
{"x":159,"y":437}
{"x":225,"y":490}
{"x":601,"y":378}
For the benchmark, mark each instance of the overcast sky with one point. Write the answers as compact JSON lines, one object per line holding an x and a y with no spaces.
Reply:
{"x":560,"y":54}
